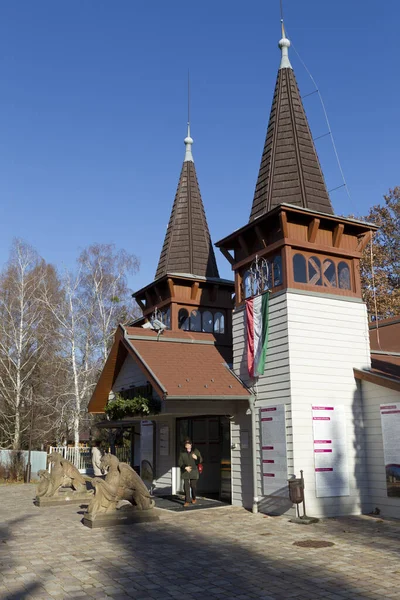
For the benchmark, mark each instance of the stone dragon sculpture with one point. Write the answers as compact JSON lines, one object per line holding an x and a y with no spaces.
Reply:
{"x":121,"y":483}
{"x":63,"y":474}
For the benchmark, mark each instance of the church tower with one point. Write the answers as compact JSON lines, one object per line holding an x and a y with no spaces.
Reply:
{"x":187,"y":292}
{"x":305,"y":260}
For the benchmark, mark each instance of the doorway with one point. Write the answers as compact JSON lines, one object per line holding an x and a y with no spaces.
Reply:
{"x":211,"y":436}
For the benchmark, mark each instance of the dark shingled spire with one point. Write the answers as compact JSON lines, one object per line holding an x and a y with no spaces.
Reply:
{"x":187,"y":245}
{"x":290,"y":171}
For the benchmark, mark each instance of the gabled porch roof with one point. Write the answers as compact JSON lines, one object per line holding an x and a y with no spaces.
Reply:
{"x":179,"y":366}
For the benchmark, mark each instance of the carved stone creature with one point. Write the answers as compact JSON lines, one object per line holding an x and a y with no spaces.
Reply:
{"x":44,"y":481}
{"x":104,"y":499}
{"x":63,"y":474}
{"x":121,"y":483}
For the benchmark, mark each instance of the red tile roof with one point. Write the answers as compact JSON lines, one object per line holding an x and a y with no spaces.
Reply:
{"x":190,"y":369}
{"x":180,"y":365}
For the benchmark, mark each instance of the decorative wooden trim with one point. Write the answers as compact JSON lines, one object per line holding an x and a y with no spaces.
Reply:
{"x":171,"y":287}
{"x":260,"y":236}
{"x":298,"y":245}
{"x":313,"y":230}
{"x":193,"y":291}
{"x":228,"y":255}
{"x":338,"y":234}
{"x":284,"y":224}
{"x":363,"y":240}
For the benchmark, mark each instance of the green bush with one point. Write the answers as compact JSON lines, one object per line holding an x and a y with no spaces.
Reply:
{"x":139,"y":406}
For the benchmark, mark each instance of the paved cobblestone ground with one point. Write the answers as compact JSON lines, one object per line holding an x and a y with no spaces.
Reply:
{"x":213,"y":554}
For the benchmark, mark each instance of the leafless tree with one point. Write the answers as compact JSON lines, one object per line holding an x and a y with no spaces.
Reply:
{"x":23,"y":337}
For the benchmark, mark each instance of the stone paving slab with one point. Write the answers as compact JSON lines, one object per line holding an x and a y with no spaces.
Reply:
{"x":216,"y":554}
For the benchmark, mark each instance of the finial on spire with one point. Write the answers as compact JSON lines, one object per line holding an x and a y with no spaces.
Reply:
{"x":284,"y":45}
{"x":188,"y":139}
{"x":188,"y":144}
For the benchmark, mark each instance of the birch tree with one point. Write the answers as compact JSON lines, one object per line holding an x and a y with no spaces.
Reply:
{"x":94,"y":300}
{"x":74,"y":332}
{"x":23,"y":336}
{"x":105,"y":288}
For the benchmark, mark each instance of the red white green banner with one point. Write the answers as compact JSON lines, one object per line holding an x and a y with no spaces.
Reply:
{"x":257,"y":333}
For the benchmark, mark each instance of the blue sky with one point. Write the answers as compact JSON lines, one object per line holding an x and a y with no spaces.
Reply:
{"x":93,"y":112}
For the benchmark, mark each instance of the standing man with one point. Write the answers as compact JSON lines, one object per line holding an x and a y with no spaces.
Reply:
{"x":96,"y":458}
{"x":188,"y":462}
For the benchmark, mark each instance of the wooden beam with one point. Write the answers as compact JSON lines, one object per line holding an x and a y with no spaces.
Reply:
{"x":363,"y":240}
{"x":157,"y":292}
{"x":193,"y":291}
{"x":228,"y":255}
{"x":243,"y":244}
{"x":171,"y":287}
{"x":260,"y":235}
{"x":140,"y":304}
{"x":149,"y":299}
{"x":313,"y":230}
{"x":337,"y":235}
{"x":284,"y":224}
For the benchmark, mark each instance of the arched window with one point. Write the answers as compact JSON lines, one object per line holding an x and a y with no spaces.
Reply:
{"x":208,"y":321}
{"x":165,"y":317}
{"x":344,"y":276}
{"x":314,"y":271}
{"x":195,"y":320}
{"x":183,"y":319}
{"x":329,"y":273}
{"x":248,"y":284}
{"x":219,"y":322}
{"x":299,"y":268}
{"x":277,"y":267}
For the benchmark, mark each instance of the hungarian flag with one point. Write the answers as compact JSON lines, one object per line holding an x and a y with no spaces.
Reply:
{"x":257,"y":333}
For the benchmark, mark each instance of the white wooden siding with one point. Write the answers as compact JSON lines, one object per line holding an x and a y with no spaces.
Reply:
{"x":328,"y":338}
{"x":271,"y":388}
{"x":315,"y":342}
{"x":241,"y":459}
{"x":373,"y":396}
{"x":164,"y":464}
{"x":130,"y":375}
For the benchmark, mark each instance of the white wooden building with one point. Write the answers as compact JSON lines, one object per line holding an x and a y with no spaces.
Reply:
{"x":317,"y":403}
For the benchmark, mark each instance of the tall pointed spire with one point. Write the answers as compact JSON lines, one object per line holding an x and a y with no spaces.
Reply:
{"x":187,"y":247}
{"x":290,"y":171}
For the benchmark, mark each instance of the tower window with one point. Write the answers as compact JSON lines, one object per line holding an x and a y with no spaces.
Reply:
{"x":344,"y":276}
{"x":219,"y":322}
{"x":183,"y":319}
{"x":277,"y":267}
{"x":195,"y":320}
{"x":208,"y":321}
{"x":300,"y":268}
